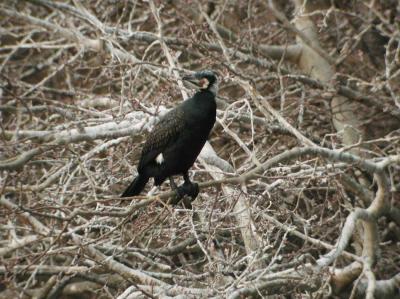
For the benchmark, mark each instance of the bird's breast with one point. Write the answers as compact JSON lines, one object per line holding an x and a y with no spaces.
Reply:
{"x":200,"y":114}
{"x":201,"y":111}
{"x":200,"y":123}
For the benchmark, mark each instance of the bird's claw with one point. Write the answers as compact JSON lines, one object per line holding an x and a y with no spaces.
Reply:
{"x":180,"y":192}
{"x":190,"y":189}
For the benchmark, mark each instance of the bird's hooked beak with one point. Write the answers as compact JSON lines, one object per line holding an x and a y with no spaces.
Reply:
{"x":196,"y":82}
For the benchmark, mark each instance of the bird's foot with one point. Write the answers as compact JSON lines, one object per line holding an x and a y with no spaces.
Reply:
{"x":192,"y":189}
{"x":181,"y":192}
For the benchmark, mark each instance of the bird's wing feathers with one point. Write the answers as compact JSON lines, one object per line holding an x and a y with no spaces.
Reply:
{"x":165,"y":132}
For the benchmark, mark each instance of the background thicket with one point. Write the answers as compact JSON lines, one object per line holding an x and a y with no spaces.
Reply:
{"x":299,"y":181}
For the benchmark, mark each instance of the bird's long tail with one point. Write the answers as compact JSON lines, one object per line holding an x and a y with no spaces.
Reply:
{"x":136,"y":186}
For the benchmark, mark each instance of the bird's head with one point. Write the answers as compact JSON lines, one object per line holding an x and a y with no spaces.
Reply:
{"x":203,"y":80}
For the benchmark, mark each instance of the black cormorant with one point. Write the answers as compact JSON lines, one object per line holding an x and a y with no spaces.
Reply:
{"x":173,"y":145}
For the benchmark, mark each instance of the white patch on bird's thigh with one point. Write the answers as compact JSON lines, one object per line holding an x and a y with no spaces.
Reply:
{"x":160,"y":158}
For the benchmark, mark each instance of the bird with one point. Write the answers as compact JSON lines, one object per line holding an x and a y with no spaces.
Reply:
{"x":173,"y":145}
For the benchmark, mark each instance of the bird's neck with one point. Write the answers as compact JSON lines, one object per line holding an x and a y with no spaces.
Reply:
{"x":202,"y":103}
{"x":204,"y":94}
{"x":213,"y":89}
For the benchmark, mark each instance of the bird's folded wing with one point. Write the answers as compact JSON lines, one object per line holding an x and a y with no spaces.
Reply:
{"x":163,"y":135}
